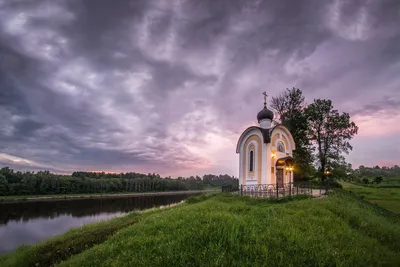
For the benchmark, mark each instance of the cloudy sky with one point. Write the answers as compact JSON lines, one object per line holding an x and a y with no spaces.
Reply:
{"x":167,"y":86}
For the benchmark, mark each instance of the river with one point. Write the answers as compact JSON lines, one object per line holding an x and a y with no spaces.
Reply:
{"x":32,"y":222}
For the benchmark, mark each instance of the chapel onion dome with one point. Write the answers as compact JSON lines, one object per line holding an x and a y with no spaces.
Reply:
{"x":265,"y":113}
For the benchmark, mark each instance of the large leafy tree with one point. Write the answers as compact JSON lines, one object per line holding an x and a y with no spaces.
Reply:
{"x":330,"y":132}
{"x":290,"y":108}
{"x":288,"y":104}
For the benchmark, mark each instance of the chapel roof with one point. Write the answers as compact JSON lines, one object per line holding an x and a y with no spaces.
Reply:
{"x":266,"y":133}
{"x":265,"y":113}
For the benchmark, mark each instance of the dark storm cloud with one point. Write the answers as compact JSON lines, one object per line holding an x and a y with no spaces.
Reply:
{"x":167,"y":85}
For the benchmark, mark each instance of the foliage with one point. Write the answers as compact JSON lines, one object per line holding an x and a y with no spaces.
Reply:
{"x":331,"y":183}
{"x":230,"y":188}
{"x":229,"y":230}
{"x":378,"y":179}
{"x":365,"y":180}
{"x":3,"y":185}
{"x":219,"y":180}
{"x":45,"y":183}
{"x":340,"y":170}
{"x":330,"y":132}
{"x":315,"y":127}
{"x":289,"y":108}
{"x":377,"y":171}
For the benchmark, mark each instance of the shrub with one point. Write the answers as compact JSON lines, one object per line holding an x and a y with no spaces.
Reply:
{"x":378,"y":179}
{"x":197,"y":199}
{"x":365,"y":180}
{"x":332,"y":183}
{"x":336,"y":185}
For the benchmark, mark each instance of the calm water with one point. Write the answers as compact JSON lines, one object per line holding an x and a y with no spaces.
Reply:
{"x":32,"y":222}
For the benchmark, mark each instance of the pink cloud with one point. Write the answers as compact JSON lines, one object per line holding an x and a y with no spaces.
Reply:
{"x":378,"y":125}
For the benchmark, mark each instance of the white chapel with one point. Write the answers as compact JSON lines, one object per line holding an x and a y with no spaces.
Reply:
{"x":265,"y":152}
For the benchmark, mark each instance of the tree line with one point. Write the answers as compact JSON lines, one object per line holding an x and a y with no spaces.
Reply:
{"x":322,"y":134}
{"x":45,"y":183}
{"x":375,"y":175}
{"x":372,"y":172}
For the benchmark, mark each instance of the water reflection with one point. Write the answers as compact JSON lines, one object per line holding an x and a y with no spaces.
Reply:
{"x":32,"y":222}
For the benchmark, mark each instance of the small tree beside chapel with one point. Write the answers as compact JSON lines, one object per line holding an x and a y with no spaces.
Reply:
{"x":330,"y":132}
{"x":289,"y":107}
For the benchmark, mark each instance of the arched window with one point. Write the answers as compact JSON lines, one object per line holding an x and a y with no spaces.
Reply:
{"x":251,"y":167}
{"x":281,"y":147}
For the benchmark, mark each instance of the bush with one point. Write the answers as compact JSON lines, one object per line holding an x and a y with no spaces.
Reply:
{"x":336,"y":185}
{"x":332,"y":183}
{"x":378,"y":179}
{"x":196,"y":199}
{"x":229,"y":188}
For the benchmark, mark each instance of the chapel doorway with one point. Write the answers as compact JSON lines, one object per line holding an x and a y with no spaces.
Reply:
{"x":279,"y":177}
{"x":282,"y":165}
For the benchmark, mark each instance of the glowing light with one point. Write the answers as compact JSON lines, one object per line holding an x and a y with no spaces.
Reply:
{"x":289,"y":168}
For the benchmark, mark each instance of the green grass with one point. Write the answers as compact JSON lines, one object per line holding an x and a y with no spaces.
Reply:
{"x":72,"y":242}
{"x":228,"y":230}
{"x":386,"y":196}
{"x":391,"y":180}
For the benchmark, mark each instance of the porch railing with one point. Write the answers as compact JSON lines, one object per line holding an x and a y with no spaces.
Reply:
{"x":282,"y":190}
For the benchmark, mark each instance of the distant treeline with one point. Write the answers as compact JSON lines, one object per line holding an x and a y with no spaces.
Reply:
{"x":372,"y":172}
{"x":375,"y":175}
{"x":45,"y":183}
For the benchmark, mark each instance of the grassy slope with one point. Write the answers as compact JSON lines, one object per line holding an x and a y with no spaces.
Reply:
{"x":238,"y":231}
{"x":72,"y":242}
{"x":392,"y":180}
{"x":382,"y":195}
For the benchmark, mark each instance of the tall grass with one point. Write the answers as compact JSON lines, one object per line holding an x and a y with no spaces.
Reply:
{"x":72,"y":242}
{"x":387,"y":196}
{"x":228,"y":230}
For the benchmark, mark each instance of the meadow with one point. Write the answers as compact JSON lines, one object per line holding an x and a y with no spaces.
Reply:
{"x":383,"y":194}
{"x":73,"y":242}
{"x":228,"y":230}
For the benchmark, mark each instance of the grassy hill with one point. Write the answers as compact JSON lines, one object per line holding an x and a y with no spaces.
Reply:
{"x":384,"y":195}
{"x":226,"y":230}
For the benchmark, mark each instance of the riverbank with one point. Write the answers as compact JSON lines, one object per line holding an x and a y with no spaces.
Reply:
{"x":5,"y":199}
{"x":73,"y":242}
{"x":229,"y":230}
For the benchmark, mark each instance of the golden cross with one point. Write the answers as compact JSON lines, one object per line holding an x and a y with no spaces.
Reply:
{"x":265,"y":99}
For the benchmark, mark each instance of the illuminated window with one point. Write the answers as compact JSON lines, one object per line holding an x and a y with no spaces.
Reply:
{"x":281,"y":147}
{"x":251,"y":167}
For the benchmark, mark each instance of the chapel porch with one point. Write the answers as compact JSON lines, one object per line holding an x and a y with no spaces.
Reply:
{"x":283,"y":190}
